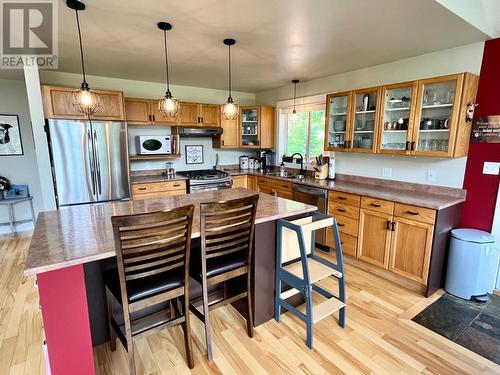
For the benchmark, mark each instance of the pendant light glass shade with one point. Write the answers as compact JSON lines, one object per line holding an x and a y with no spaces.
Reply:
{"x":168,"y":105}
{"x":230,"y":109}
{"x":86,"y":101}
{"x":294,"y":117}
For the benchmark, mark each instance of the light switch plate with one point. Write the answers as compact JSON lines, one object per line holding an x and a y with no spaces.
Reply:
{"x":491,"y":168}
{"x":431,"y":175}
{"x":386,"y":172}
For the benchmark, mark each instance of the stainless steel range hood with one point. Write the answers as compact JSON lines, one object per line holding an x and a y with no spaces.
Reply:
{"x":199,"y":132}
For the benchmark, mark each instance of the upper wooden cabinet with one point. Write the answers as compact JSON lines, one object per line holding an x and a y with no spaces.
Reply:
{"x":146,"y":112}
{"x":256,"y":127}
{"x":230,"y":135}
{"x":425,"y":117}
{"x":196,"y":114}
{"x":58,"y":104}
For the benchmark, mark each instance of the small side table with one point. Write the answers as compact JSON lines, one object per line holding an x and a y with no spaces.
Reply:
{"x":10,"y":203}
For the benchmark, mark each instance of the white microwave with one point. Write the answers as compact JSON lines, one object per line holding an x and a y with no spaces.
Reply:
{"x":153,"y":144}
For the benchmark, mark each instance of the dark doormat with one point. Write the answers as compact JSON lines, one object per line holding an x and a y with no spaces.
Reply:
{"x":473,"y":325}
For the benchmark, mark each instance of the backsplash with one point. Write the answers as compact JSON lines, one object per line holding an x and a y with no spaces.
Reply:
{"x":209,"y":153}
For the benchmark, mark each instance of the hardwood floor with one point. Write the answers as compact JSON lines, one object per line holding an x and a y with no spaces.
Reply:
{"x":379,"y":338}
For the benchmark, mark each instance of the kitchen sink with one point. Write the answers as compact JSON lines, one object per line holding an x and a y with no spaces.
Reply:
{"x":286,"y":175}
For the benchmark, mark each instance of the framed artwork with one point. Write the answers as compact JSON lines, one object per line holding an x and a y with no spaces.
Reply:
{"x":194,"y":154}
{"x":10,"y":136}
{"x":17,"y":192}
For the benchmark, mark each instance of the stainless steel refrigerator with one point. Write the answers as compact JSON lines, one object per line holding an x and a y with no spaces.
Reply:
{"x":89,"y":161}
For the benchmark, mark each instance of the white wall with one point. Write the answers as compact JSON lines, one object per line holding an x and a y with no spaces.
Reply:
{"x":152,"y":90}
{"x":449,"y":172}
{"x":19,"y":169}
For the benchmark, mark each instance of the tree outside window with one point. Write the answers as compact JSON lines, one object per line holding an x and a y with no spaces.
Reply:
{"x":307,"y":135}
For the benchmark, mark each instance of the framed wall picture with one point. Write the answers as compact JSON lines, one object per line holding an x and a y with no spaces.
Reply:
{"x":10,"y":136}
{"x":194,"y":154}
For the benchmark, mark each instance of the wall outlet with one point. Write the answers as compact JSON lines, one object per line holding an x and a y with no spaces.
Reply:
{"x":386,"y":172}
{"x":431,"y":175}
{"x":491,"y":168}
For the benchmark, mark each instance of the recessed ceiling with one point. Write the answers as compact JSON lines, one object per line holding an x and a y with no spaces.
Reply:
{"x":277,"y":40}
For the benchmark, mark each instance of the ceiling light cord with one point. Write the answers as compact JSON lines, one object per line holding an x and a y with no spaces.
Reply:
{"x":230,"y":84}
{"x":166,"y":60}
{"x":294,"y":94}
{"x":84,"y":83}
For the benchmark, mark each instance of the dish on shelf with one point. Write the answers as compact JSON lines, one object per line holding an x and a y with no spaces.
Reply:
{"x":339,"y":125}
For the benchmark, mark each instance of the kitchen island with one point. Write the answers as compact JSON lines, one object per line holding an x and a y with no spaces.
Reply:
{"x":65,"y":241}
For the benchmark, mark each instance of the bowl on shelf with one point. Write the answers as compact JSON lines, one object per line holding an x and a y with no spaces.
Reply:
{"x":366,"y":143}
{"x":339,"y":125}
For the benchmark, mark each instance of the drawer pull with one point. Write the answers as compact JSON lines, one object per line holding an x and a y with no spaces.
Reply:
{"x":341,"y":209}
{"x":375,"y":204}
{"x":177,"y":185}
{"x":389,"y":225}
{"x":412,"y":212}
{"x":340,"y":225}
{"x":342,"y":198}
{"x":142,"y":188}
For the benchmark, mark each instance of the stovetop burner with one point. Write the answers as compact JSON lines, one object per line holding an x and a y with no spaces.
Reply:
{"x":204,"y":174}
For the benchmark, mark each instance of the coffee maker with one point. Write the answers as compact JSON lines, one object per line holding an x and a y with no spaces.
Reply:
{"x":266,"y":159}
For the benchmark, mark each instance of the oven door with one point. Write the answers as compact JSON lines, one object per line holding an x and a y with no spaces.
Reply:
{"x":210,"y":186}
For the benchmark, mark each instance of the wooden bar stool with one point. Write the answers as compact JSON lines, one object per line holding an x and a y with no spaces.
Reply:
{"x":152,"y":252}
{"x":227,"y":230}
{"x":295,"y":239}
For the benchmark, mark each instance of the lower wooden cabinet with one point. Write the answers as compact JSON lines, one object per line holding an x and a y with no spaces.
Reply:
{"x":411,"y":247}
{"x":240,"y":181}
{"x":278,"y":188}
{"x":348,"y":243}
{"x":374,"y":237}
{"x":252,"y":183}
{"x":158,"y":189}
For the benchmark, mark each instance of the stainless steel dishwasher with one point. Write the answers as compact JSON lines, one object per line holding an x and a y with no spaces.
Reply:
{"x":315,"y":197}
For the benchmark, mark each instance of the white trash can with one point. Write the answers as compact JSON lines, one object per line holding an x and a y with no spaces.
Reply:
{"x":472,"y":264}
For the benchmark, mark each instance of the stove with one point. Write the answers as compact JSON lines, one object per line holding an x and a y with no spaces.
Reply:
{"x":207,"y":179}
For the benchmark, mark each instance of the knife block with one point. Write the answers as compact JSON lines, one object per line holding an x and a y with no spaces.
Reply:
{"x":323,"y":173}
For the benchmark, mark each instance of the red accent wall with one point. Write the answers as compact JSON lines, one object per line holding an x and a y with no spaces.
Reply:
{"x":482,"y":189}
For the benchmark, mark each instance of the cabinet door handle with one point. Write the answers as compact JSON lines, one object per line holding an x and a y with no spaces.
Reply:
{"x":341,"y":209}
{"x":412,"y":212}
{"x":342,"y":198}
{"x":349,"y":144}
{"x":389,"y":225}
{"x":393,"y":225}
{"x":407,"y":148}
{"x":345,"y":144}
{"x":413,"y":146}
{"x":154,"y":117}
{"x":177,"y":185}
{"x":142,"y":188}
{"x":202,"y":120}
{"x":223,"y":142}
{"x":340,"y":225}
{"x":375,"y":205}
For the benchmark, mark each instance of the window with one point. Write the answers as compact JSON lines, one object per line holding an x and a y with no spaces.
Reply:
{"x":307,"y":135}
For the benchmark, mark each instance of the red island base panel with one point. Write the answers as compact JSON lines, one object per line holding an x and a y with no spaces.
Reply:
{"x":66,"y":321}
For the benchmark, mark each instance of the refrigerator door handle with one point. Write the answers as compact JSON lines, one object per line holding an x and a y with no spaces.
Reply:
{"x":97,"y":164}
{"x":91,"y":161}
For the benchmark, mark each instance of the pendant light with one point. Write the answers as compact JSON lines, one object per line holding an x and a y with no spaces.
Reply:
{"x":230,"y":108}
{"x":294,"y":117}
{"x":168,"y":105}
{"x":85,"y":100}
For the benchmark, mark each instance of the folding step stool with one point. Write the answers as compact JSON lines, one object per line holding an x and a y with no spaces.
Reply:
{"x":296,"y":239}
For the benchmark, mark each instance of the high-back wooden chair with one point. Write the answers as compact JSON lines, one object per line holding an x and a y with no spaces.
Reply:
{"x":152,"y":252}
{"x":227,"y":231}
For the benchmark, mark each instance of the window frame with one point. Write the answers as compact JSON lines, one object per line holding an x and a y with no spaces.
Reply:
{"x":307,"y":156}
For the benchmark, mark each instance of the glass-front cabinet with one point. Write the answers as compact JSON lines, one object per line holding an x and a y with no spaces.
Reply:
{"x":398,"y":109}
{"x":363,"y":132}
{"x":249,"y":129}
{"x":436,"y":118}
{"x":338,"y":121}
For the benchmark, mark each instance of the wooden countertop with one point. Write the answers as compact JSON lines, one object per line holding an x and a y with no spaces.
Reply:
{"x":81,"y":234}
{"x":414,"y":194}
